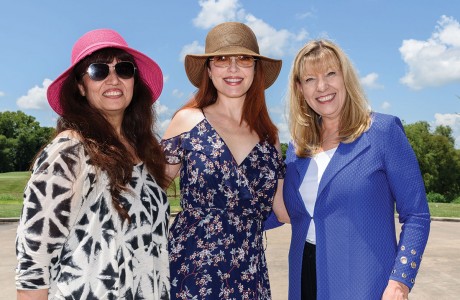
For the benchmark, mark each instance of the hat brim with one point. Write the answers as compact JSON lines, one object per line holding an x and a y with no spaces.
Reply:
{"x":149,"y":72}
{"x":195,"y":64}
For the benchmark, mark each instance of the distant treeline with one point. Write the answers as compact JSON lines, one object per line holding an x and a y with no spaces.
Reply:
{"x":21,"y":137}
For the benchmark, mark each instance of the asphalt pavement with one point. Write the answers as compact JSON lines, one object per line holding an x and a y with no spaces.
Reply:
{"x":438,"y":278}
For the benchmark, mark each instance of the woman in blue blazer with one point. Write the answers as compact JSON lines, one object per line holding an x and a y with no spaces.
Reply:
{"x":348,"y":169}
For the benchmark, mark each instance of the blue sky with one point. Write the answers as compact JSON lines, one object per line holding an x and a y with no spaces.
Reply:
{"x":407,"y":52}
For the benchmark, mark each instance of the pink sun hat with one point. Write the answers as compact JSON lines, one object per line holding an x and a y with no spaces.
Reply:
{"x":149,"y":71}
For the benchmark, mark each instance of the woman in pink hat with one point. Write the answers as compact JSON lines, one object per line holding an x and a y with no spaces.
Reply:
{"x":231,"y":170}
{"x":95,"y":218}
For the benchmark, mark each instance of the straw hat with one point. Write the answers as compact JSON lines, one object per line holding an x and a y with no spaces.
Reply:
{"x":230,"y":38}
{"x":149,"y":72}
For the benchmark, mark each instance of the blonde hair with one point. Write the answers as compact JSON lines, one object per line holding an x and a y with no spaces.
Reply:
{"x":304,"y":122}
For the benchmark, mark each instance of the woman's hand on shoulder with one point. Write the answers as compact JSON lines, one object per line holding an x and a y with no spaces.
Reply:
{"x":184,"y":120}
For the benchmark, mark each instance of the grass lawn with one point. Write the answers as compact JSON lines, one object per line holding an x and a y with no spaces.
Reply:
{"x":11,"y":190}
{"x":446,"y":210}
{"x":12,"y":184}
{"x":12,"y":187}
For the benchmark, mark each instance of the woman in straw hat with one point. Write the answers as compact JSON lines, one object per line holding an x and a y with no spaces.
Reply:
{"x":95,"y":217}
{"x":231,"y":169}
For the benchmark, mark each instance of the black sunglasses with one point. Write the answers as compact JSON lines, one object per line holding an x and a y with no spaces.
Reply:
{"x":100,"y":71}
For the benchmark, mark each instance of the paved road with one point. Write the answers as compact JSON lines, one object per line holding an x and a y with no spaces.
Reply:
{"x":439,"y":274}
{"x":438,"y":279}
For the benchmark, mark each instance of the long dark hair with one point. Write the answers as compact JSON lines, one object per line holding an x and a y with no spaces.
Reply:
{"x":99,"y":138}
{"x":255,"y":112}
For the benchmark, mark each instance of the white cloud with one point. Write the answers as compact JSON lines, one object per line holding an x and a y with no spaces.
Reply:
{"x":453,"y":121}
{"x":193,"y":48}
{"x":164,"y":117}
{"x":385,"y":105}
{"x":370,"y":81}
{"x":214,"y":12}
{"x":305,"y":15}
{"x":280,"y":112}
{"x":436,"y":61}
{"x":272,"y":42}
{"x":165,"y":78}
{"x":162,"y":126}
{"x":160,"y":108}
{"x":36,"y":97}
{"x":2,"y":94}
{"x":283,"y":131}
{"x":177,"y":94}
{"x":311,"y":13}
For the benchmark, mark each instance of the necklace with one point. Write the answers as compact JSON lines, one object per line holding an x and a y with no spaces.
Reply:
{"x":328,"y":137}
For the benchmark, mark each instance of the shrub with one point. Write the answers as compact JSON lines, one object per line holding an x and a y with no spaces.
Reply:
{"x":435,"y":197}
{"x":456,"y":200}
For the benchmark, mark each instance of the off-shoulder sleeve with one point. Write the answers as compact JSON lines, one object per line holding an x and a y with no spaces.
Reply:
{"x":173,"y":149}
{"x":49,"y":210}
{"x":279,"y":164}
{"x":281,"y":169}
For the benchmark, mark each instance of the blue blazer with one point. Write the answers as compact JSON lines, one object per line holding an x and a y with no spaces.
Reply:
{"x":356,"y":246}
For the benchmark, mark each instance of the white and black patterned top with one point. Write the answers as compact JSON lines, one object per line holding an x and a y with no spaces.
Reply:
{"x":72,"y":241}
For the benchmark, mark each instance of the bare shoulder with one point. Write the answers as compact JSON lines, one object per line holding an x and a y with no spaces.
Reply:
{"x":184,"y":120}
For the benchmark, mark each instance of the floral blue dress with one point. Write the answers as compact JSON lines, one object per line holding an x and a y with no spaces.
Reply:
{"x":215,"y":244}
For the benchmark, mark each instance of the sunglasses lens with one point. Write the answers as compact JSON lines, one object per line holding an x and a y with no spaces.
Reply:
{"x":98,"y":72}
{"x":245,"y":61}
{"x":221,"y":61}
{"x":241,"y":61}
{"x":125,"y":69}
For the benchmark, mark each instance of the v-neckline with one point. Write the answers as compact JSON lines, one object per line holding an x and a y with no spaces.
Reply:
{"x":228,"y":148}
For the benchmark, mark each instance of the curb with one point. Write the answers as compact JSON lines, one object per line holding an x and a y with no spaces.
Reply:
{"x":8,"y":220}
{"x":446,"y":219}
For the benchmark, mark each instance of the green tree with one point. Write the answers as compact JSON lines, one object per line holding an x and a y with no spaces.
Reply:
{"x":284,"y":147}
{"x":29,"y":143}
{"x":445,"y":131}
{"x":438,"y":159}
{"x":21,"y":137}
{"x":418,"y":135}
{"x":6,"y":154}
